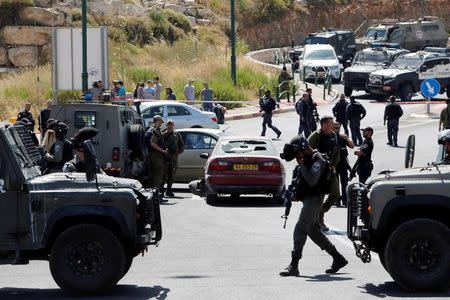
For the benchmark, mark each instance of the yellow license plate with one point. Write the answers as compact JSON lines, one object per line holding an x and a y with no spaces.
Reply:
{"x":245,"y":167}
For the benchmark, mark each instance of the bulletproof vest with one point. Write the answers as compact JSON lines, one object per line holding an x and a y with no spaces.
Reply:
{"x":66,"y":156}
{"x":303,"y":189}
{"x":327,"y":144}
{"x":160,"y":140}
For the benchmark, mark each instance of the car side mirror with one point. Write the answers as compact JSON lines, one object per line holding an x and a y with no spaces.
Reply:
{"x":90,"y":160}
{"x":204,"y":155}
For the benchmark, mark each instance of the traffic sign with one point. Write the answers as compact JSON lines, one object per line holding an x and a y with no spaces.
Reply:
{"x":430,"y":88}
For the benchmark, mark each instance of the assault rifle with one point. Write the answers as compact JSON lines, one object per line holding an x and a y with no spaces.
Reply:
{"x":291,"y":193}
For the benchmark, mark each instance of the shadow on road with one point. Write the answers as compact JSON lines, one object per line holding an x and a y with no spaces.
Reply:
{"x":327,"y":277}
{"x":120,"y":292}
{"x":244,"y":201}
{"x":392,"y":289}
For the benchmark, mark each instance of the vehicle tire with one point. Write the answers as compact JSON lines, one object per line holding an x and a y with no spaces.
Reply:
{"x":448,"y":91}
{"x":382,"y":260}
{"x":211,"y":198}
{"x":417,"y":255}
{"x":347,"y":91}
{"x":87,"y":259}
{"x":136,"y":141}
{"x":406,"y":93}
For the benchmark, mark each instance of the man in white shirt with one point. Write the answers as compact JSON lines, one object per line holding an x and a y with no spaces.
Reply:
{"x":189,"y":92}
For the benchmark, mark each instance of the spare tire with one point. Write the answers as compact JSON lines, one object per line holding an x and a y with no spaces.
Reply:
{"x":136,"y":141}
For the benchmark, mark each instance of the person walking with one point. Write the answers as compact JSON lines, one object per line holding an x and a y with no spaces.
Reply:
{"x":324,"y":140}
{"x":206,"y":96}
{"x":26,"y":114}
{"x":267,"y":106}
{"x":44,"y":115}
{"x":157,"y":156}
{"x":364,"y":164}
{"x":189,"y":92}
{"x":343,"y":166}
{"x":283,"y":81}
{"x":339,"y":110}
{"x":312,"y":167}
{"x":444,"y":119}
{"x":355,"y":112}
{"x":303,"y":110}
{"x":122,"y":92}
{"x":157,"y":86}
{"x":175,"y":146}
{"x":392,"y":114}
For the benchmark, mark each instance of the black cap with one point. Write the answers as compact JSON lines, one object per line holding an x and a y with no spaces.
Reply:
{"x":368,"y":128}
{"x":85,"y":133}
{"x":392,"y":98}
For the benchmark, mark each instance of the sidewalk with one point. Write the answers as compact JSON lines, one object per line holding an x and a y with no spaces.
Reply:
{"x":252,"y":110}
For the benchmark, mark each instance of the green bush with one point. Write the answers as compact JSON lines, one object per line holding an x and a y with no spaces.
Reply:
{"x":10,"y":9}
{"x":16,"y":92}
{"x":264,"y":10}
{"x":178,"y":20}
{"x":67,"y":96}
{"x":139,"y":74}
{"x":139,"y":31}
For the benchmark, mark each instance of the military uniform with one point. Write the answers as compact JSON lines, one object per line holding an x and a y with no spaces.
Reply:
{"x":339,"y":110}
{"x":60,"y":153}
{"x":365,"y":165}
{"x":343,"y":168}
{"x":355,"y":112}
{"x":268,"y":105}
{"x":392,"y":114}
{"x":157,"y":160}
{"x":283,"y":80}
{"x":175,"y":146}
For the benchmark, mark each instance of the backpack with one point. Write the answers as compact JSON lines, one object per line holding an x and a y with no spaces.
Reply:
{"x":267,"y":104}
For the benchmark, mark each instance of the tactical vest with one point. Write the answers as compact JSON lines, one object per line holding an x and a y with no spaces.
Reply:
{"x":327,"y":144}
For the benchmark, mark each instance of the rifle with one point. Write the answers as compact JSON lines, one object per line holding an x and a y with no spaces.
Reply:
{"x":354,"y":169}
{"x":290,"y":194}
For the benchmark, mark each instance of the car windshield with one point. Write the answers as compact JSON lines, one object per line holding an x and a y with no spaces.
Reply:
{"x":246,"y":147}
{"x":406,"y":62}
{"x":316,"y":40}
{"x":375,"y":34}
{"x":322,"y":54}
{"x":375,"y":58}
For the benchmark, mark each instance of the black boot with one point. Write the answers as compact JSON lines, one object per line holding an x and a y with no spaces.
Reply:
{"x":292,"y":269}
{"x":169,"y":192}
{"x":338,"y":260}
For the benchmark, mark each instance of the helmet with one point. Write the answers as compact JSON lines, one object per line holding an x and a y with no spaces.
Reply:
{"x":61,"y":129}
{"x":296,"y":145}
{"x":443,"y":136}
{"x":85,"y":133}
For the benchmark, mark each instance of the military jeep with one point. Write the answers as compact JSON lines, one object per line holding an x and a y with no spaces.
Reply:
{"x":404,"y":216}
{"x":88,"y":231}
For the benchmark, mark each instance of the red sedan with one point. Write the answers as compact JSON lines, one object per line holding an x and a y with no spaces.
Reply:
{"x":242,"y":165}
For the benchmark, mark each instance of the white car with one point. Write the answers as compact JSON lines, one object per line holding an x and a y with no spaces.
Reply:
{"x":318,"y":59}
{"x":183,"y":115}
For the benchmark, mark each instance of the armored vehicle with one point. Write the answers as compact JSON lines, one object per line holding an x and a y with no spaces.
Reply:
{"x":120,"y":142}
{"x":406,"y":74}
{"x":88,"y":231}
{"x":343,"y":42}
{"x":404,"y":216}
{"x":412,"y":35}
{"x":365,"y":62}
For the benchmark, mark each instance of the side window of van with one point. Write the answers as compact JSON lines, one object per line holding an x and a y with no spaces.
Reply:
{"x":85,"y":119}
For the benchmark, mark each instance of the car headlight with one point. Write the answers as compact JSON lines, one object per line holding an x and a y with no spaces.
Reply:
{"x":375,"y":78}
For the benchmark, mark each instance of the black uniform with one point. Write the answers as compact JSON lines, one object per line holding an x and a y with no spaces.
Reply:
{"x":44,"y":115}
{"x":27,"y":115}
{"x":60,"y":153}
{"x":267,"y":105}
{"x":343,"y":168}
{"x":339,"y":110}
{"x":355,"y":112}
{"x":365,"y":165}
{"x":392,"y":114}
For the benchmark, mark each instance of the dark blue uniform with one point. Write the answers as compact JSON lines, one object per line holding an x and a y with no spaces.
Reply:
{"x":392,"y":114}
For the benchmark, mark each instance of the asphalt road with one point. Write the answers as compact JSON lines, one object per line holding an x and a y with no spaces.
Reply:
{"x":235,"y":249}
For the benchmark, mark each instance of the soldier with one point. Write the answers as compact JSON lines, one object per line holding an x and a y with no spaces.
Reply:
{"x":444,"y":139}
{"x":324,"y":140}
{"x":364,"y":165}
{"x":61,"y":151}
{"x":157,"y":155}
{"x":339,"y":112}
{"x":77,"y":164}
{"x":26,"y":114}
{"x":343,"y":166}
{"x":305,"y":116}
{"x":355,"y":112}
{"x":267,"y":106}
{"x":444,"y":119}
{"x":44,"y":115}
{"x":313,"y":116}
{"x":283,"y":81}
{"x":392,"y":113}
{"x":313,"y":169}
{"x":175,"y":146}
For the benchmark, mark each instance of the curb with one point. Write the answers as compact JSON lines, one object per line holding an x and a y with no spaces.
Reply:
{"x":258,"y":114}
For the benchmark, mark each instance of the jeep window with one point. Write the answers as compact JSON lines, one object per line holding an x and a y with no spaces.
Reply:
{"x":173,"y":110}
{"x":376,"y":57}
{"x":315,"y":40}
{"x":397,"y":34}
{"x":320,"y":54}
{"x":430,"y":27}
{"x":431,"y":64}
{"x":375,"y":34}
{"x":404,"y":62}
{"x":85,"y":119}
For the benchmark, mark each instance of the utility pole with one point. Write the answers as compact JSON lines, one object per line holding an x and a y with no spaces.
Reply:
{"x":84,"y":74}
{"x":422,"y":8}
{"x":233,"y":43}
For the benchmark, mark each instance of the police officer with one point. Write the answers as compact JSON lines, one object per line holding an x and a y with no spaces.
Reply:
{"x":392,"y":114}
{"x":355,"y":112}
{"x":324,"y":140}
{"x":77,"y":163}
{"x":313,"y":116}
{"x":312,"y":167}
{"x":26,"y":114}
{"x":267,"y":106}
{"x":175,"y":147}
{"x":364,"y":163}
{"x":157,"y":155}
{"x":61,"y":151}
{"x":343,"y":166}
{"x":339,"y":112}
{"x":444,"y":139}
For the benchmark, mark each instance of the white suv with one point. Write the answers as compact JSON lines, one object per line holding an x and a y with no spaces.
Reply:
{"x":317,"y":59}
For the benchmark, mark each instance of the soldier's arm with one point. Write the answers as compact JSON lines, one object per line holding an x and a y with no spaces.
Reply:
{"x":313,"y":139}
{"x":363,"y":112}
{"x":57,"y":157}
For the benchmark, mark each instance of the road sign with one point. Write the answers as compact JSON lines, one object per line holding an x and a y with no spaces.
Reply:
{"x":430,"y":88}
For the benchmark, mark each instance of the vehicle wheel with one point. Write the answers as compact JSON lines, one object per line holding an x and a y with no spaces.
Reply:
{"x":417,"y":255}
{"x":347,"y":91}
{"x":382,"y":260}
{"x":406,"y":93}
{"x":87,"y":259}
{"x":211,"y":198}
{"x":448,"y":91}
{"x":136,"y":141}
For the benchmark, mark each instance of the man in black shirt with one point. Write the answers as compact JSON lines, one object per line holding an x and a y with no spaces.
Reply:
{"x":267,"y":106}
{"x":26,"y":114}
{"x":343,"y":166}
{"x":355,"y":112}
{"x":339,"y":112}
{"x":44,"y":115}
{"x":392,"y":114}
{"x":364,"y":153}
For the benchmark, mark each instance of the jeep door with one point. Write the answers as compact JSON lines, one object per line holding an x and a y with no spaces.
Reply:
{"x":8,"y":208}
{"x":438,"y":69}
